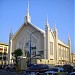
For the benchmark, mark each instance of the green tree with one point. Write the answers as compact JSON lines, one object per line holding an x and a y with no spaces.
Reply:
{"x":17,"y":53}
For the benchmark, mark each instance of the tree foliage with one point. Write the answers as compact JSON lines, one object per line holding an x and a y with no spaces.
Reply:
{"x":17,"y":52}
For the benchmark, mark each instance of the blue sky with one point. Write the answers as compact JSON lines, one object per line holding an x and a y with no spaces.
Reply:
{"x":61,"y":12}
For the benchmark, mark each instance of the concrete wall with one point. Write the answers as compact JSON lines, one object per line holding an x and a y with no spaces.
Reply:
{"x":22,"y":63}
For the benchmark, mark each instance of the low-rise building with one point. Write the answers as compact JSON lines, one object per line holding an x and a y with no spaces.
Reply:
{"x":3,"y":53}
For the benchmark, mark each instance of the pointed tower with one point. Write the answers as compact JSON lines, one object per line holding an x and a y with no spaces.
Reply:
{"x":55,"y":44}
{"x":47,"y":39}
{"x":10,"y":45}
{"x":10,"y":35}
{"x":55,"y":30}
{"x":69,"y":41}
{"x":47,"y":24}
{"x":69,"y":44}
{"x":27,"y":17}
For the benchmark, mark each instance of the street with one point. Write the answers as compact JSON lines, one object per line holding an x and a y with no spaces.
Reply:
{"x":4,"y":72}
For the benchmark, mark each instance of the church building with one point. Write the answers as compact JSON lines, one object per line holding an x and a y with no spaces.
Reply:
{"x":43,"y":45}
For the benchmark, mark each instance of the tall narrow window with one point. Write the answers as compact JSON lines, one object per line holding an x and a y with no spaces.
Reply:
{"x":59,"y":52}
{"x":51,"y":48}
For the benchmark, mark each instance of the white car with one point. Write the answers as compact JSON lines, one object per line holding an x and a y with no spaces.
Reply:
{"x":53,"y":71}
{"x":49,"y":73}
{"x":72,"y":73}
{"x":32,"y":73}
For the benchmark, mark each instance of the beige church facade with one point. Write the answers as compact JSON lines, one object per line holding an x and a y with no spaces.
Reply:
{"x":43,"y":42}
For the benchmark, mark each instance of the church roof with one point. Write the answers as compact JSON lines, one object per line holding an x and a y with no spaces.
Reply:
{"x":60,"y":42}
{"x":37,"y":28}
{"x":42,"y":31}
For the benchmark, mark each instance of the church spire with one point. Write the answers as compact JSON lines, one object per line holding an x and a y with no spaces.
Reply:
{"x":27,"y":17}
{"x":10,"y":35}
{"x":69,"y":41}
{"x":55,"y":29}
{"x":47,"y":21}
{"x":27,"y":14}
{"x":47,"y":24}
{"x":68,"y":37}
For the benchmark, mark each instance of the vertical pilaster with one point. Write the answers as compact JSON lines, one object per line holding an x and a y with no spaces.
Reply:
{"x":47,"y":39}
{"x":10,"y":48}
{"x":44,"y":46}
{"x":56,"y":45}
{"x":69,"y":44}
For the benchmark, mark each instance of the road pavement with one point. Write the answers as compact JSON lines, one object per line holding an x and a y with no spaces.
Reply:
{"x":4,"y":72}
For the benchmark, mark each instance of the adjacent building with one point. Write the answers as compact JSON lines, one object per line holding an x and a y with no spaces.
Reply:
{"x":36,"y":41}
{"x":73,"y":58}
{"x":3,"y":53}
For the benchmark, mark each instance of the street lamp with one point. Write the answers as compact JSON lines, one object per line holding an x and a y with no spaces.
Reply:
{"x":30,"y":43}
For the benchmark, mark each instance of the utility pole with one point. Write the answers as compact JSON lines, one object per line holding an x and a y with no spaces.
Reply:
{"x":30,"y":43}
{"x":30,"y":48}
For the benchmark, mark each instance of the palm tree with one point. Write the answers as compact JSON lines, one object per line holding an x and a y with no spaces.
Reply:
{"x":17,"y":53}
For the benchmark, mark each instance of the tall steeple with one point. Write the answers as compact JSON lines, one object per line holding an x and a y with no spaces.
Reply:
{"x":28,"y":10}
{"x":27,"y":17}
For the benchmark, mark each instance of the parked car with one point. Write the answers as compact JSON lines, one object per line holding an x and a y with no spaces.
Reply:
{"x":73,"y":70}
{"x":55,"y":71}
{"x":67,"y":68}
{"x":9,"y":67}
{"x":2,"y":66}
{"x":60,"y":66}
{"x":37,"y":68}
{"x":72,"y":73}
{"x":49,"y":73}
